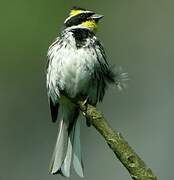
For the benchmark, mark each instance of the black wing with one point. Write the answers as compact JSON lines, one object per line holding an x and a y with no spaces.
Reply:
{"x":54,"y":110}
{"x":103,"y":71}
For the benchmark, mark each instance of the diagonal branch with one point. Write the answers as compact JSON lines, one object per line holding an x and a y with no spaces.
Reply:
{"x":131,"y":161}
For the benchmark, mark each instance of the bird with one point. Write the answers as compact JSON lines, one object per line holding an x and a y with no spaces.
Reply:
{"x":77,"y":69}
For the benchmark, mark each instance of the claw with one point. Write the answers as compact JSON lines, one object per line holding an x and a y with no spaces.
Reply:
{"x":85,"y":101}
{"x":88,"y":122}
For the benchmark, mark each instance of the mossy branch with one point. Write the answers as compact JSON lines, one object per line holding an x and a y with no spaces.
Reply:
{"x":131,"y":161}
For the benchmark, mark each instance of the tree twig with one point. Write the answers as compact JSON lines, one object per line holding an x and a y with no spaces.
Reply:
{"x":131,"y":161}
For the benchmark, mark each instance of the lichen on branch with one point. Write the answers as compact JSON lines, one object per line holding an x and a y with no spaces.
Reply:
{"x":131,"y":161}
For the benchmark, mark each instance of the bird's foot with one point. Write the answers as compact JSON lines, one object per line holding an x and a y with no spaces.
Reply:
{"x":88,"y":121}
{"x":85,"y":102}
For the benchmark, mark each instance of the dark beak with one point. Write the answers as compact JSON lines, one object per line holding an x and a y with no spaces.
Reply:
{"x":96,"y":17}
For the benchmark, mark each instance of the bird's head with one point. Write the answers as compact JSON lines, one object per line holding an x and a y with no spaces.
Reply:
{"x":80,"y":17}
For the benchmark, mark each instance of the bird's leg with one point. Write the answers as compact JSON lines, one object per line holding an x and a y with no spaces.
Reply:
{"x":88,"y":122}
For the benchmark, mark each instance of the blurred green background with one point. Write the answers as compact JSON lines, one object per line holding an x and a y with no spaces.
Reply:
{"x":138,"y":35}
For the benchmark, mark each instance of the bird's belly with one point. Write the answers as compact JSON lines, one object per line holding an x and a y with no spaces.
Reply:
{"x":75,"y":78}
{"x":75,"y":73}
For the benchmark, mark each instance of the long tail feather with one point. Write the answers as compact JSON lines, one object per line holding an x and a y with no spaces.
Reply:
{"x":77,"y":157}
{"x":60,"y":148}
{"x":68,"y":143}
{"x":65,"y":168}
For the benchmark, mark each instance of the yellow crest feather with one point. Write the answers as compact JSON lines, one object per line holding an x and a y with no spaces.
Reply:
{"x":74,"y":12}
